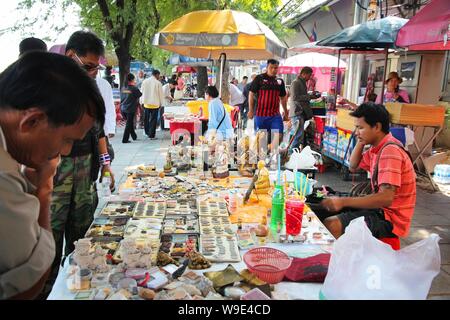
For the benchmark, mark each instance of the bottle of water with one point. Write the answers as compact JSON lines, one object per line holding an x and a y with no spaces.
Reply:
{"x":106,"y":182}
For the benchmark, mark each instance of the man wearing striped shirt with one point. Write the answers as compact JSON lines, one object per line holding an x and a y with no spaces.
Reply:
{"x":270,"y":91}
{"x":389,"y":210}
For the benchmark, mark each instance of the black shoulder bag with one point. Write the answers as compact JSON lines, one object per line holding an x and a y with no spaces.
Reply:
{"x":365,"y":188}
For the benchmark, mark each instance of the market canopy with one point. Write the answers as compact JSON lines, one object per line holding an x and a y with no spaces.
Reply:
{"x":313,"y":47}
{"x":312,"y":59}
{"x":209,"y":33}
{"x":176,"y":59}
{"x":380,"y":33}
{"x":429,"y":29}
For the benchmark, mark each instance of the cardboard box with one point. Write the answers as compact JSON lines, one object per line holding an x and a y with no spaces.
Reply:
{"x":344,"y":120}
{"x":416,"y":114}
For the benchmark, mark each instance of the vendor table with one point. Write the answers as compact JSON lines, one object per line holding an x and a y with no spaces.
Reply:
{"x":284,"y":290}
{"x":194,"y":127}
{"x":175,"y":108}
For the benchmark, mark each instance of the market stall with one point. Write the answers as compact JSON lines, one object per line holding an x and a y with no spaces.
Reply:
{"x":180,"y":233}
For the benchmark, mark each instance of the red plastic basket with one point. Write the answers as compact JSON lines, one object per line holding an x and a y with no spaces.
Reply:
{"x":268,"y":264}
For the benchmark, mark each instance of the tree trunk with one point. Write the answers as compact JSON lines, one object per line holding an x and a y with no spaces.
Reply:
{"x":202,"y":81}
{"x":225,"y":83}
{"x":124,"y":64}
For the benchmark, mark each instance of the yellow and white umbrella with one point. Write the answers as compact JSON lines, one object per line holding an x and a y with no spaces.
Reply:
{"x":211,"y":33}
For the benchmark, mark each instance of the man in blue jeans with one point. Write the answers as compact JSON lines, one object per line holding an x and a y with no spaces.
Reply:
{"x":270,"y":91}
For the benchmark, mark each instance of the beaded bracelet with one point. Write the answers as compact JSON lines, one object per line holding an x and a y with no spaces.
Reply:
{"x":105,"y":159}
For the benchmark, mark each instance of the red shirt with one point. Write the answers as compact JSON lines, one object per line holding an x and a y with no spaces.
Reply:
{"x":394,"y":168}
{"x":269,"y":91}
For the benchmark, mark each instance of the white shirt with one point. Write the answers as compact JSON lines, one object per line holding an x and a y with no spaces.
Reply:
{"x":152,"y":92}
{"x":166,"y":93}
{"x":110,"y":115}
{"x":236,"y":96}
{"x":26,"y":249}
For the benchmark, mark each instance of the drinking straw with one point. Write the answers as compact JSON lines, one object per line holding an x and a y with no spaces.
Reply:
{"x":305,"y":187}
{"x":301,"y":185}
{"x":279,"y":169}
{"x":295,"y":181}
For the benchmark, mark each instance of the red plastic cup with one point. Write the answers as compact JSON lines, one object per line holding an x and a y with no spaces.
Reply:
{"x":294,"y":215}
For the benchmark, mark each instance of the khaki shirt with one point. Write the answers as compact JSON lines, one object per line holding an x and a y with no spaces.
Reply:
{"x":26,"y":250}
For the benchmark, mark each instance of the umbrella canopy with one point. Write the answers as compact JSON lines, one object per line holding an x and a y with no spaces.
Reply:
{"x":379,"y":33}
{"x":312,"y":59}
{"x":434,"y":20}
{"x":313,"y":47}
{"x":209,"y":33}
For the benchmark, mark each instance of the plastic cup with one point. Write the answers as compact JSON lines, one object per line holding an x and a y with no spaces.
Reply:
{"x":276,"y":218}
{"x":294,"y":215}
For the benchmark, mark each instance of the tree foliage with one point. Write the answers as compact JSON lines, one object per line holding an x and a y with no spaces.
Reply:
{"x":128,"y":26}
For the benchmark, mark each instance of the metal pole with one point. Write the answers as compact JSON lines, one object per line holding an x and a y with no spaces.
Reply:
{"x":384,"y":74}
{"x":222,"y":63}
{"x":337,"y":77}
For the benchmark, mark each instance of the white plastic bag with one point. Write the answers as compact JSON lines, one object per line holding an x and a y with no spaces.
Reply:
{"x":178,"y":94}
{"x":302,"y":160}
{"x":363,"y":267}
{"x":250,"y":129}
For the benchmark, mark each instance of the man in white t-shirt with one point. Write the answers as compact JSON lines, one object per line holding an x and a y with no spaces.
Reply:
{"x":236,"y":96}
{"x":110,"y":116}
{"x":167,"y":98}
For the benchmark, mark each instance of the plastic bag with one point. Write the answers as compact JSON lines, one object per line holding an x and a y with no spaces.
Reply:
{"x":363,"y":267}
{"x":250,"y":130}
{"x":302,"y":160}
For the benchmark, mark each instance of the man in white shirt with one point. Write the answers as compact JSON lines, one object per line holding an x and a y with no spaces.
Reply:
{"x":167,"y":97}
{"x":35,"y":130}
{"x":236,"y":96}
{"x":110,"y":116}
{"x":153,"y":99}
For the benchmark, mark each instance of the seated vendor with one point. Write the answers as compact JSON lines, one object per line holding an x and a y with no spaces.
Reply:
{"x":393,"y":92}
{"x":389,"y":209}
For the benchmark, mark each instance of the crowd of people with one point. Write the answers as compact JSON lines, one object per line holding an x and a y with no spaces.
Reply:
{"x":56,"y":116}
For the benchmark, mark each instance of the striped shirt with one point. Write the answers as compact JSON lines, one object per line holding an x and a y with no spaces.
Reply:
{"x":269,"y":91}
{"x":394,"y":168}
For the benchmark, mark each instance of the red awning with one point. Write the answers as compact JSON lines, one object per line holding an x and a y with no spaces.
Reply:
{"x":429,"y":29}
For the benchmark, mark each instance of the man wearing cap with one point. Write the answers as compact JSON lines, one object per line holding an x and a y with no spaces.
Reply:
{"x":393,"y":92}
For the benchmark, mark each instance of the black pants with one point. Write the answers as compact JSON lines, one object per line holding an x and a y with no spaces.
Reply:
{"x":129,"y":127}
{"x":374,"y":218}
{"x":150,"y":121}
{"x":161,"y":118}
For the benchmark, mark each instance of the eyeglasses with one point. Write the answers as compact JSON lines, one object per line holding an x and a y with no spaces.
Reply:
{"x":88,"y":67}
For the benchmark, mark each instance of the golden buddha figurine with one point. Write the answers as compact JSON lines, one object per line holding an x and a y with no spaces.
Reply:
{"x":262,"y":185}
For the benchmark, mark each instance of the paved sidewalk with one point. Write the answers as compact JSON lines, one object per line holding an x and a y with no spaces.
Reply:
{"x":432,"y":213}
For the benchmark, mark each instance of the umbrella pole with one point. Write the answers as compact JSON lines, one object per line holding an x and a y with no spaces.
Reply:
{"x":222,"y":65}
{"x":384,"y":74}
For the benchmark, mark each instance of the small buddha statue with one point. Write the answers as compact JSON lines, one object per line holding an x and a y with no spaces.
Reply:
{"x":262,"y":185}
